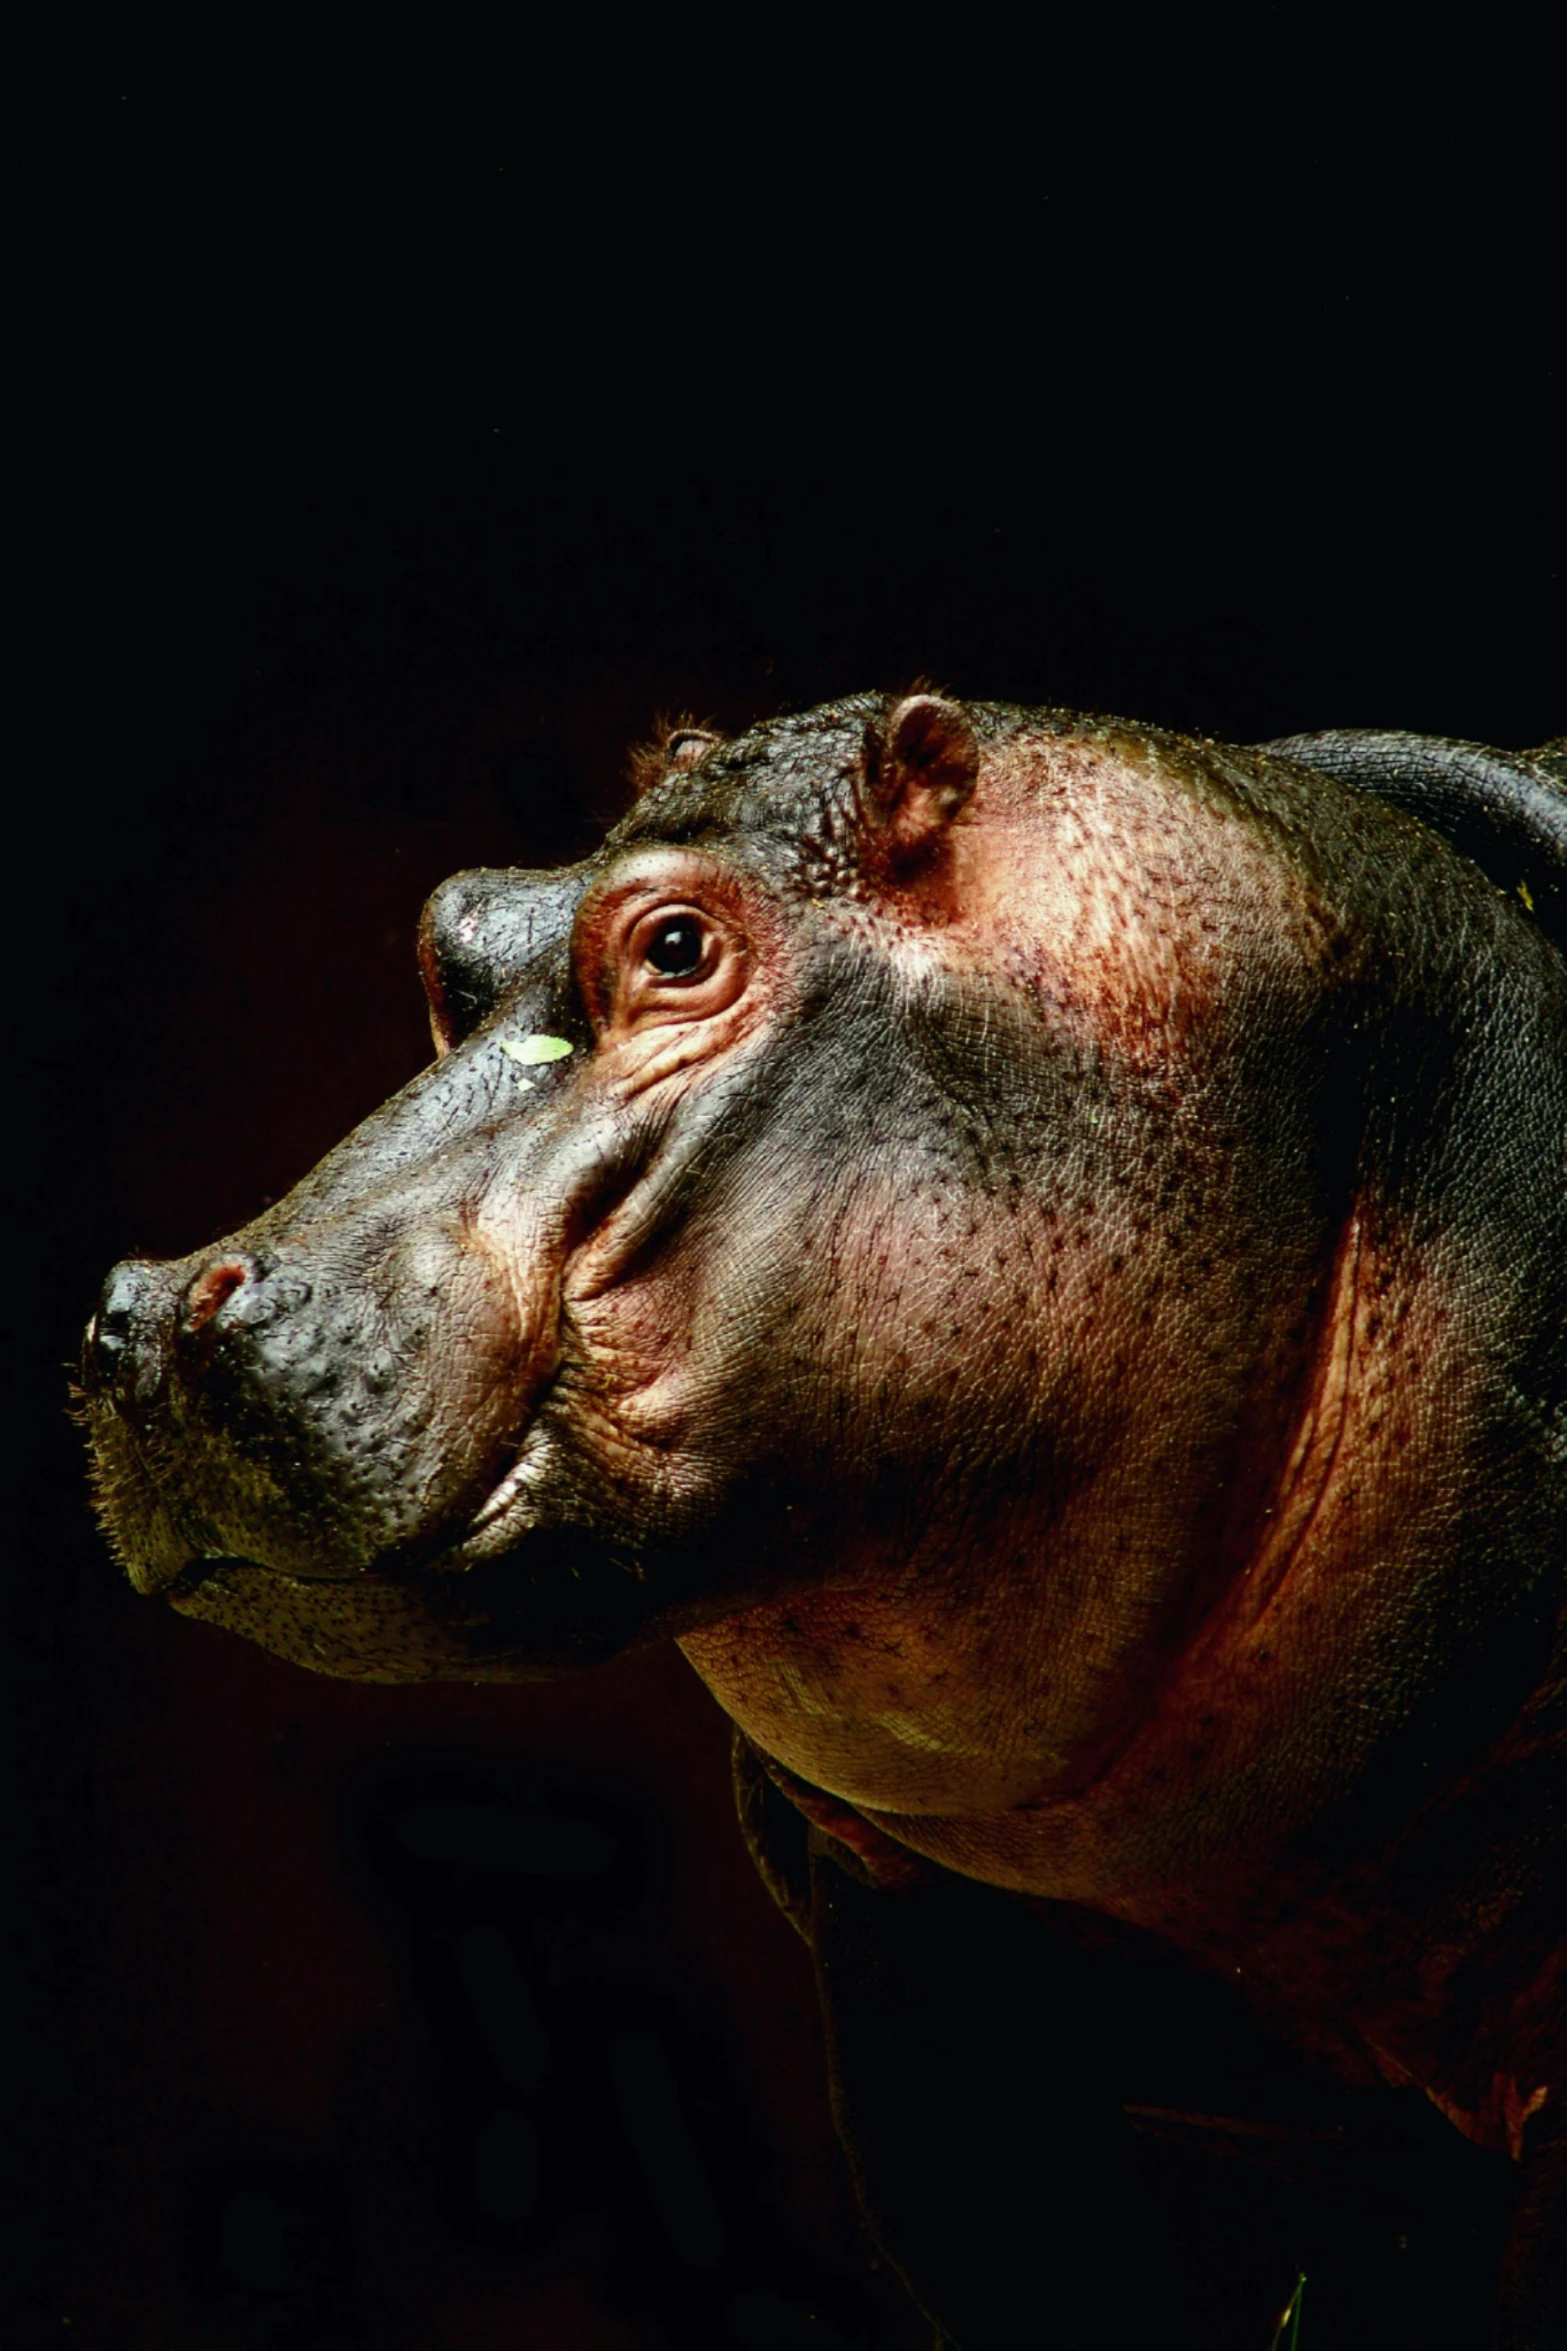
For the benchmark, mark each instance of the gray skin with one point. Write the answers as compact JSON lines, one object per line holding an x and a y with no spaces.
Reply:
{"x":1057,"y":1305}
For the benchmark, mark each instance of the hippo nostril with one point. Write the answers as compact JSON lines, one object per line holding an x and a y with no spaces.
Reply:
{"x":212,"y":1286}
{"x":121,"y":1295}
{"x":107,"y":1334}
{"x":122,"y":1311}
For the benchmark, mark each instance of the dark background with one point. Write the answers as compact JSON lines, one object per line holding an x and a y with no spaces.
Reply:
{"x":404,"y":433}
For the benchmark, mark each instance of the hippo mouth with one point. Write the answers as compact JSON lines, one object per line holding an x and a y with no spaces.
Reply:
{"x":556,"y":1602}
{"x":269,"y":1414}
{"x":498,"y":1523}
{"x":486,"y":1593}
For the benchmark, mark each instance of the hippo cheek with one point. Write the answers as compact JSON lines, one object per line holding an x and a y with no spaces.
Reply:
{"x":333,"y":1405}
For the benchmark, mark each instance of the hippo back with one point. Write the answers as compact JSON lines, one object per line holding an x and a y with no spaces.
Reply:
{"x":1506,"y":810}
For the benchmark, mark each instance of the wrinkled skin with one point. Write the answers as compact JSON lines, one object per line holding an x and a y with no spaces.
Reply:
{"x":1044,"y":1268}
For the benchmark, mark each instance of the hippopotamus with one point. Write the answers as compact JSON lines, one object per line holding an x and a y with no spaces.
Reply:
{"x":1035,"y":1249}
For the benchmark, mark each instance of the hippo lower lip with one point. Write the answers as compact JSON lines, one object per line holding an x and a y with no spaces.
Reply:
{"x":554,"y":1603}
{"x":212,"y":1566}
{"x":200,"y":1571}
{"x":216,"y":1564}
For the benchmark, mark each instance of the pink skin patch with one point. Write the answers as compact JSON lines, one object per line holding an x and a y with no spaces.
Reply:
{"x":210,"y":1288}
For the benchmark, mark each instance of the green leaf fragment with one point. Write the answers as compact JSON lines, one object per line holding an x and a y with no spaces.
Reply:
{"x":530,"y":1051}
{"x":1288,"y":2336}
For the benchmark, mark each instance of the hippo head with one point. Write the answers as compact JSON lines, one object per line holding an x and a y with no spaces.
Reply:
{"x":770,"y":1213}
{"x":896,"y":1211}
{"x":650,"y":1290}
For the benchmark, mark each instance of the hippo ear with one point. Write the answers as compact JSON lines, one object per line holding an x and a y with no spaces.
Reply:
{"x":920,"y":765}
{"x":687,"y":745}
{"x":678,"y":745}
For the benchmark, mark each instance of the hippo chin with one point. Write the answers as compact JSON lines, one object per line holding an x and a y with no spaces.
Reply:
{"x":1036,"y":1250}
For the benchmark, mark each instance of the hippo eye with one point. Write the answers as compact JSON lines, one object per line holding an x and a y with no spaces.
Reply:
{"x":675,"y":951}
{"x":665,"y":962}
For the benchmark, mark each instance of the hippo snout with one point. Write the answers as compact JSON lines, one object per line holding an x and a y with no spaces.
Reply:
{"x":149,"y":1318}
{"x":122,"y":1354}
{"x":287,"y":1405}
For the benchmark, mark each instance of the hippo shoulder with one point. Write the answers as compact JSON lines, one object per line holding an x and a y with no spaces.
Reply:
{"x":1505,"y":810}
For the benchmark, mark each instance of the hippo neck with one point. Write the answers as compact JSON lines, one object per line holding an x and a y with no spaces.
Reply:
{"x":1278,"y":1707}
{"x":828,"y":1683}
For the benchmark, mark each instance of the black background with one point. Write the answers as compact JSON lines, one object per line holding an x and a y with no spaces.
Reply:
{"x":406,"y":431}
